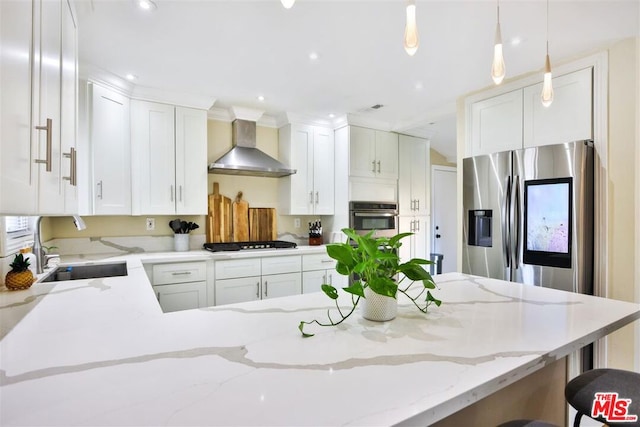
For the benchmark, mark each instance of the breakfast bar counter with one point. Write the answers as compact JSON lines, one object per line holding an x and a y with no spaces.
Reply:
{"x":101,"y":352}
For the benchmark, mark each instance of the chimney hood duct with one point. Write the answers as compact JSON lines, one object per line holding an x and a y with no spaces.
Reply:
{"x":245,"y":159}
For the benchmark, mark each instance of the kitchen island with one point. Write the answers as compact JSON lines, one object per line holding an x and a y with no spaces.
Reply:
{"x":101,"y":352}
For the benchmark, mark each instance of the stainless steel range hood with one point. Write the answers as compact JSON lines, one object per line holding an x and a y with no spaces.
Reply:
{"x":244,"y":158}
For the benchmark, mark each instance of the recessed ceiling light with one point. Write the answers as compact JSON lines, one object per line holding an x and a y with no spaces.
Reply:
{"x":131,"y":77}
{"x":146,"y":4}
{"x":331,"y":115}
{"x":314,"y":56}
{"x":515,"y":41}
{"x":260,"y":98}
{"x":419,"y":86}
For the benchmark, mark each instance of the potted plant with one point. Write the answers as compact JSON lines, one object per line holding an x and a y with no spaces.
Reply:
{"x":378,"y":275}
{"x":181,"y":230}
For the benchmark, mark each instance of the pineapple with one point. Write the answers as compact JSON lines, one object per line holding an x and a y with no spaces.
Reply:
{"x":20,"y":277}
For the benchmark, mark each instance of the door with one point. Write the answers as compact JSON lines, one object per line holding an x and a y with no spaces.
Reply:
{"x":181,"y":296}
{"x":386,"y":155}
{"x":362,"y":152}
{"x":281,"y":285}
{"x":323,"y":176}
{"x":242,"y":289}
{"x":496,"y":124}
{"x":68,"y":113}
{"x":443,"y":234}
{"x":191,"y":161}
{"x":486,"y":182}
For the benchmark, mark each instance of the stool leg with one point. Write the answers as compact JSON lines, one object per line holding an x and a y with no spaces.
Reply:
{"x":576,"y":420}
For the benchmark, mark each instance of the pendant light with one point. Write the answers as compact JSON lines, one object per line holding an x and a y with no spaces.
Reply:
{"x":497,"y":67}
{"x":547,"y":88}
{"x":411,"y":29}
{"x":288,"y":4}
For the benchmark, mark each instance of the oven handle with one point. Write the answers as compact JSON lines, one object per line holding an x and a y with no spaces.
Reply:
{"x":373,"y":214}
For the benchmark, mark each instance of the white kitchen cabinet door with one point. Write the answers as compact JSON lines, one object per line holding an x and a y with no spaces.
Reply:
{"x":323,"y":171}
{"x":46,"y":106}
{"x":416,"y":245}
{"x":386,"y":155}
{"x":413,"y":182}
{"x":309,"y":150}
{"x":18,"y":189}
{"x":362,"y":152}
{"x":241,"y":289}
{"x":496,"y":124}
{"x":568,"y":118}
{"x":312,"y":281}
{"x":281,"y":285}
{"x":182,"y":296}
{"x":110,"y":151}
{"x":191,"y":161}
{"x":153,"y":154}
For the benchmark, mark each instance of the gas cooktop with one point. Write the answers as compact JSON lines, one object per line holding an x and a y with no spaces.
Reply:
{"x":239,"y":246}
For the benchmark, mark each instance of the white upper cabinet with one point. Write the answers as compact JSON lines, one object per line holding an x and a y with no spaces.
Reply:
{"x":567,"y":119}
{"x":517,"y":119}
{"x":496,"y":124}
{"x":110,"y":146}
{"x":373,"y":153}
{"x":309,"y":150}
{"x":413,"y":180}
{"x":169,"y":169}
{"x":38,"y":107}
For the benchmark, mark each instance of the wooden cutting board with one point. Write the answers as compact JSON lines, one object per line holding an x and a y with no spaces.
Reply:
{"x":240,"y":219}
{"x":262,"y":224}
{"x":219,"y":217}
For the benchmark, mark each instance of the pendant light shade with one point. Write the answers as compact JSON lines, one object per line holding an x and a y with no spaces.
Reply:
{"x":288,"y":4}
{"x":411,"y":30}
{"x":497,"y":67}
{"x":547,"y":87}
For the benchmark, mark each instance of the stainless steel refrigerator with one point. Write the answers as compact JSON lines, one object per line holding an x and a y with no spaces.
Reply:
{"x":528,"y":216}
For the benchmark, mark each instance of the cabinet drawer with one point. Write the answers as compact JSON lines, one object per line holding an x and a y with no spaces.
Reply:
{"x":281,"y":264}
{"x":317,"y":262}
{"x":179,"y":272}
{"x":231,"y":268}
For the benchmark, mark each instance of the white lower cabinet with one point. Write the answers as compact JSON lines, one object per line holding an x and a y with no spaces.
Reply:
{"x":416,"y":245}
{"x":180,"y":285}
{"x":318,"y":270}
{"x":252,"y":279}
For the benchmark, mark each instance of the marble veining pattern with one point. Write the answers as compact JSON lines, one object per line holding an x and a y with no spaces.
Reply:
{"x":100,"y":352}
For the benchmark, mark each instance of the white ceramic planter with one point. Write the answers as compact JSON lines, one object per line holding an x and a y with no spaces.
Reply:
{"x":379,"y":308}
{"x":181,"y":242}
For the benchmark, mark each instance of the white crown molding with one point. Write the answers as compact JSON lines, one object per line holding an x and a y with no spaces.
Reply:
{"x":225,"y":115}
{"x":303,"y":119}
{"x":244,"y":113}
{"x":367,"y":122}
{"x":97,"y":75}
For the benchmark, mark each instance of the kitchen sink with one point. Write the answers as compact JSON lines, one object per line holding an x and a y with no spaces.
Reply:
{"x":86,"y":271}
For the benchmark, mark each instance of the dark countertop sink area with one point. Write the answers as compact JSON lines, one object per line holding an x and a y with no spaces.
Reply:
{"x":88,"y":271}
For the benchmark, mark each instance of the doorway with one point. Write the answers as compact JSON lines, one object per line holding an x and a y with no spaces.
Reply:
{"x":443,"y":215}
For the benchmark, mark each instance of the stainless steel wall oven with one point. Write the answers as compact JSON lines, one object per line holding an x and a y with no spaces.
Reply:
{"x":379,"y":216}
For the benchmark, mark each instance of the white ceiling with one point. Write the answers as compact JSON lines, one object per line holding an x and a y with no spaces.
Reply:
{"x":235,"y":50}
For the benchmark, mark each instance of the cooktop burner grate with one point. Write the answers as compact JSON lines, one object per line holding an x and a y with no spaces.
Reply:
{"x":239,"y":246}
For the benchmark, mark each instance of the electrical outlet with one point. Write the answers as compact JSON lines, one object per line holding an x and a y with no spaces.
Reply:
{"x":296,"y":223}
{"x":151,"y":224}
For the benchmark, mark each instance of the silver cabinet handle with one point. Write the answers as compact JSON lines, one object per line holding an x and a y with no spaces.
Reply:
{"x":257,"y":289}
{"x":99,"y":190}
{"x":48,"y":129}
{"x":158,"y":296}
{"x":311,"y":197}
{"x":378,"y":166}
{"x":266,"y":288}
{"x":180,"y":191}
{"x":180,"y":273}
{"x":374,"y":166}
{"x":324,"y":278}
{"x":317,"y":197}
{"x":327,"y":260}
{"x":72,"y":178}
{"x":331,"y":279}
{"x":417,"y":204}
{"x":417,"y":225}
{"x":171,"y":192}
{"x":413,"y":205}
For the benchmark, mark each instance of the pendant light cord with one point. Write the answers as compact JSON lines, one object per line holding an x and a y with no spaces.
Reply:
{"x":547,"y":27}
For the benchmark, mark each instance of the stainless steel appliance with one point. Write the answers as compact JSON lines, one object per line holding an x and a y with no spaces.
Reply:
{"x":382,"y":217}
{"x":528,"y":216}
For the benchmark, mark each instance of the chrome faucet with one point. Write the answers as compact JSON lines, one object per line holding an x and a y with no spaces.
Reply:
{"x":38,"y":250}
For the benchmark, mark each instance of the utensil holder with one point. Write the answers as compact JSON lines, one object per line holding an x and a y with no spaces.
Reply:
{"x":181,"y":242}
{"x":315,"y":241}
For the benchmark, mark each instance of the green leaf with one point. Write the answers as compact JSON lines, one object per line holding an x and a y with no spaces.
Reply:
{"x":341,"y":252}
{"x":383,"y":286}
{"x":421,"y":261}
{"x":330,"y":291}
{"x":395,"y":239}
{"x":431,"y":298}
{"x":414,"y":271}
{"x":355,"y":289}
{"x":429,"y":284}
{"x":342,"y":269}
{"x":304,"y":334}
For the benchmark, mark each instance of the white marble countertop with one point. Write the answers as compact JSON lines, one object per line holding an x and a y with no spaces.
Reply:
{"x":101,"y":352}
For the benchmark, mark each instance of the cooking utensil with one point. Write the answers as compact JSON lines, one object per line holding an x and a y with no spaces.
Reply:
{"x":262,"y":224}
{"x":175,"y":225}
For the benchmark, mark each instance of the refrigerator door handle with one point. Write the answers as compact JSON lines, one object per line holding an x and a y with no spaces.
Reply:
{"x":517,"y":218}
{"x":506,"y":220}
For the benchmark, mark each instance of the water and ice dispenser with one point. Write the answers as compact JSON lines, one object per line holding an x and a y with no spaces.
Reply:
{"x":480,"y":227}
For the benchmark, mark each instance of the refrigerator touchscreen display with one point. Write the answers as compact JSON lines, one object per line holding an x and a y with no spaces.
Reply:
{"x":547,"y":222}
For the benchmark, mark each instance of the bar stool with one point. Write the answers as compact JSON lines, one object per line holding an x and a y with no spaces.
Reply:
{"x":612,"y":409}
